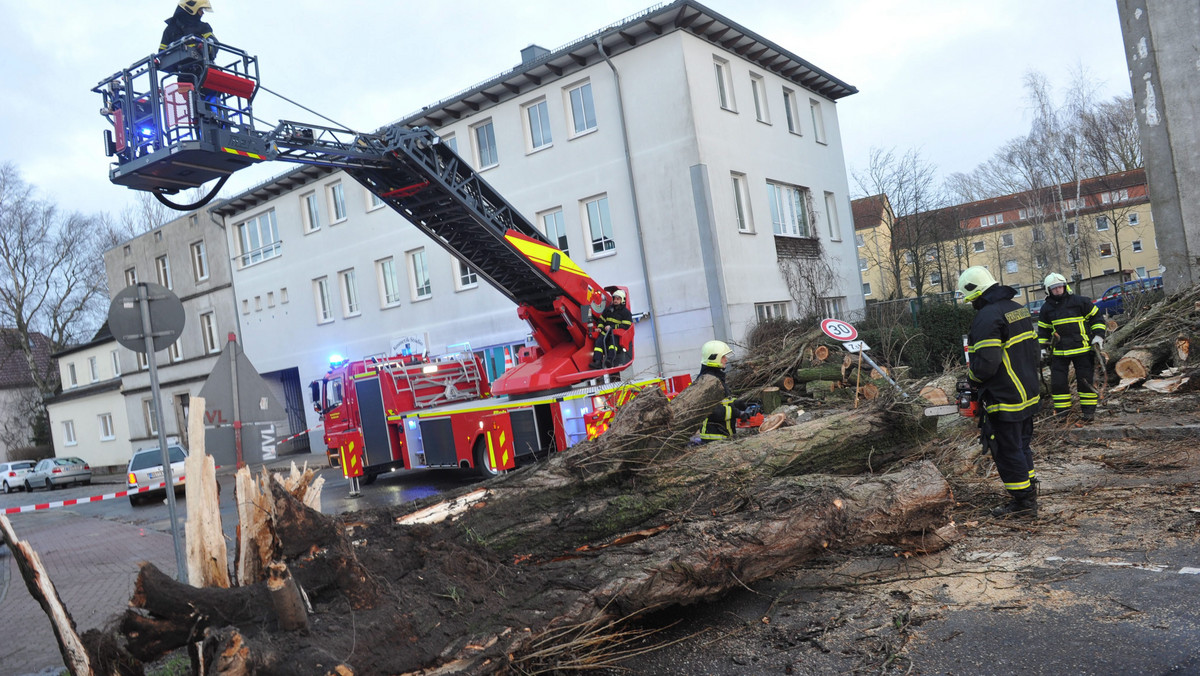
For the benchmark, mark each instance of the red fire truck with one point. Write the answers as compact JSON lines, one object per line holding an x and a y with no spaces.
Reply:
{"x":183,"y":117}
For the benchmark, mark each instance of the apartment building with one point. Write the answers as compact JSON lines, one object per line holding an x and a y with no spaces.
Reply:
{"x":676,"y":153}
{"x":1095,"y":227}
{"x":88,"y":418}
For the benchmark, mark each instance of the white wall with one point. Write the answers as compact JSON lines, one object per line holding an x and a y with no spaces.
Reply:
{"x":83,"y":403}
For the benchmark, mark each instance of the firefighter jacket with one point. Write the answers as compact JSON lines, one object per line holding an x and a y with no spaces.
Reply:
{"x":721,"y":423}
{"x":1074,"y":319}
{"x":184,"y":23}
{"x":1004,"y":356}
{"x":617,"y":320}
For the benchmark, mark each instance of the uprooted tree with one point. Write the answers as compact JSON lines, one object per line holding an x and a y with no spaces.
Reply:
{"x":514,"y":570}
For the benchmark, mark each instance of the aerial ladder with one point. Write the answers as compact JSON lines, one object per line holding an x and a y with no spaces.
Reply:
{"x":183,"y":118}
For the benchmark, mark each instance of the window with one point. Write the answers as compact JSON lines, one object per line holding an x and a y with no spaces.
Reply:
{"x":373,"y":201}
{"x":466,"y":277}
{"x":283,"y":295}
{"x":862,"y":264}
{"x":421,"y":286}
{"x":1006,"y":240}
{"x":162,"y":267}
{"x":1134,"y":219}
{"x":724,"y":85}
{"x":555,"y":230}
{"x":1038,"y":234}
{"x":389,"y":286}
{"x":1010,"y":267}
{"x":452,"y":141}
{"x":831,"y":218}
{"x":1022,"y":214}
{"x":741,"y":203}
{"x":538,"y":116}
{"x":790,"y":110}
{"x":93,"y":369}
{"x":1109,"y":271}
{"x":858,"y":240}
{"x":131,"y":277}
{"x":599,"y":225}
{"x":311,"y":213}
{"x":1071,"y":230}
{"x":337,"y":202}
{"x":1106,"y":249}
{"x":127,"y":249}
{"x":912,"y":282}
{"x":245,"y":306}
{"x":69,"y":433}
{"x":789,"y":210}
{"x":1136,"y":245}
{"x":993,"y":219}
{"x":1141,"y":272}
{"x":1101,"y":223}
{"x":958,"y":250}
{"x":349,"y":284}
{"x":834,"y":307}
{"x":322,"y":299}
{"x":979,"y":247}
{"x":149,"y":416}
{"x":759,"y":90}
{"x":208,"y":331}
{"x":768,"y":311}
{"x":199,"y":261}
{"x":1040,"y":260}
{"x":258,"y":303}
{"x":71,"y":377}
{"x":141,"y":361}
{"x":107,"y":433}
{"x":818,"y":120}
{"x":270,"y":299}
{"x":935,"y":278}
{"x":116,"y":363}
{"x":866,"y":288}
{"x":485,"y":145}
{"x":583,"y":111}
{"x":908,"y":258}
{"x":259,"y":238}
{"x":174,"y":353}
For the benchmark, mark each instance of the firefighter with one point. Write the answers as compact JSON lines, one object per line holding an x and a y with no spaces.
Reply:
{"x":1068,"y":327}
{"x":609,"y":349}
{"x":1004,"y":372}
{"x":187,"y":20}
{"x":721,"y":423}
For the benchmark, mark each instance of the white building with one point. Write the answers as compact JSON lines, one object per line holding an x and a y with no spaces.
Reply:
{"x":87,"y":419}
{"x":676,"y":153}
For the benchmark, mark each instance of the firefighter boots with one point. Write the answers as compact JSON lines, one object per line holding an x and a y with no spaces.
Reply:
{"x":1023,"y":504}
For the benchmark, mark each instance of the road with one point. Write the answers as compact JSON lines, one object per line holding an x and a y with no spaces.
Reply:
{"x":92,"y":550}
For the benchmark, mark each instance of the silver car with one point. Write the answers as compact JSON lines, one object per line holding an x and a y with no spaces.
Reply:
{"x":52,"y":473}
{"x":12,"y":474}
{"x":146,"y":469}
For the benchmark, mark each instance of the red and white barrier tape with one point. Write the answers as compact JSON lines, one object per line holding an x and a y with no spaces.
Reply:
{"x":300,"y":434}
{"x":81,"y":501}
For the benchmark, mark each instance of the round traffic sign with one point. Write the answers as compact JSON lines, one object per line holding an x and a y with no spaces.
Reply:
{"x":166,"y":317}
{"x":838,"y":329}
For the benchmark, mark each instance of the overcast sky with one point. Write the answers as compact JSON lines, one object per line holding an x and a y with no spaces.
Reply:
{"x":942,"y":76}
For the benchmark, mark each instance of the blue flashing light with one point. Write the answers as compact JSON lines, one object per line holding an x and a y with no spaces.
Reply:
{"x":147,"y":132}
{"x":336,"y":359}
{"x":412,"y":424}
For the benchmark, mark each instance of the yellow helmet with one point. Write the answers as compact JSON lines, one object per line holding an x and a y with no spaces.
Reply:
{"x":712,"y":351}
{"x":194,"y":6}
{"x":974,"y":281}
{"x":1054,"y":279}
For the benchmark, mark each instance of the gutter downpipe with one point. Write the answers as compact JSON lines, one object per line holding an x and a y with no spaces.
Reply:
{"x":637,"y":216}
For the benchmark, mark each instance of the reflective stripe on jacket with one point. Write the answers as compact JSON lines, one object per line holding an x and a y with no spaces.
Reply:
{"x":1004,"y":355}
{"x":1074,"y":319}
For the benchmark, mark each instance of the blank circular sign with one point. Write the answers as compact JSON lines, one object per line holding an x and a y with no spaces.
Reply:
{"x":166,"y":317}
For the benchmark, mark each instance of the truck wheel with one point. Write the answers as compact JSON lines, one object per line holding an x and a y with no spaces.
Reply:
{"x":481,"y":460}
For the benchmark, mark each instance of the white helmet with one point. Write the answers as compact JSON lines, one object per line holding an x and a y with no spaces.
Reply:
{"x":618,"y":295}
{"x":1054,"y":279}
{"x":711,"y":353}
{"x":974,"y":281}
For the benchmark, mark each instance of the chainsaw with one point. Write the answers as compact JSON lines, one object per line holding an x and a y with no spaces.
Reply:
{"x":966,"y":402}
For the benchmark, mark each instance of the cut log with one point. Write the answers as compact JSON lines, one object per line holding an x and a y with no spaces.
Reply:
{"x":815,"y":387}
{"x":42,"y":589}
{"x":286,"y":598}
{"x":936,"y":396}
{"x":771,"y":399}
{"x":206,"y":555}
{"x":868,"y":391}
{"x":1141,"y":362}
{"x":824,"y":372}
{"x":820,"y":353}
{"x":789,"y":383}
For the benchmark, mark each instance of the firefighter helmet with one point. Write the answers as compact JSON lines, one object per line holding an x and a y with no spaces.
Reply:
{"x":974,"y":281}
{"x":618,"y":295}
{"x":711,"y":353}
{"x":195,"y":6}
{"x":1054,"y":279}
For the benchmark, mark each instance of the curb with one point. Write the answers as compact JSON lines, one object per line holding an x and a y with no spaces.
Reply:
{"x":1156,"y":433}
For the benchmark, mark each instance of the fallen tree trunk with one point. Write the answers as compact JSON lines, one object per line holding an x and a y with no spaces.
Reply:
{"x":635,"y":520}
{"x":1142,"y":361}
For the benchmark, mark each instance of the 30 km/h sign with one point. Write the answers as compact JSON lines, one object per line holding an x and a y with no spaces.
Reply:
{"x":838,"y":329}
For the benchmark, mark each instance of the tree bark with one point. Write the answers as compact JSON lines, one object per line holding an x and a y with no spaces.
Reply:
{"x":207,"y":560}
{"x":823,"y":372}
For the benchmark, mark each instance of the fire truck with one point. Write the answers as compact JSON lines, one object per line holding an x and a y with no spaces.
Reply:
{"x":183,"y":118}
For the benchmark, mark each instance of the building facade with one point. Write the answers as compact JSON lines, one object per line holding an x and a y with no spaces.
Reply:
{"x":675,"y":153}
{"x":88,"y":418}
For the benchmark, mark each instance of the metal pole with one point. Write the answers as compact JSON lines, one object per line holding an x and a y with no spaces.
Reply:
{"x":155,"y":396}
{"x":237,"y":404}
{"x":875,"y":366}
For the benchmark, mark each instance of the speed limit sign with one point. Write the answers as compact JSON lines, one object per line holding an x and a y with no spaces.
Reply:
{"x":838,"y":329}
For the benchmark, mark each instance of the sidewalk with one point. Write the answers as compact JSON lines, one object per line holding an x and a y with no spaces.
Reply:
{"x":93,"y":564}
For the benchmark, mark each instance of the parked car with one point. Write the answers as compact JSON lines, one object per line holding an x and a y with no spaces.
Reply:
{"x":1112,"y":302}
{"x":1035,"y":306}
{"x":51,"y":473}
{"x":12,"y":474}
{"x":146,"y":469}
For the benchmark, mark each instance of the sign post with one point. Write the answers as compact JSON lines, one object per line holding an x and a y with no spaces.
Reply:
{"x":847,"y":334}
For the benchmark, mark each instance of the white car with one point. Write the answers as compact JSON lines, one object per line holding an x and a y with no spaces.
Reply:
{"x":12,"y":474}
{"x":51,"y":473}
{"x":146,"y":469}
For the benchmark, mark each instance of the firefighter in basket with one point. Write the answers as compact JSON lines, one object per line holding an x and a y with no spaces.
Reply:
{"x":609,"y":348}
{"x":722,"y":422}
{"x":1004,"y":374}
{"x":1069,"y":327}
{"x":188,"y":19}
